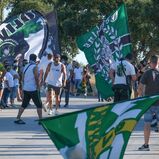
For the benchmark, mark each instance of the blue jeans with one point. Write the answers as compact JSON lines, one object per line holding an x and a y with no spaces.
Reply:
{"x":5,"y":96}
{"x":66,"y":89}
{"x":77,"y":83}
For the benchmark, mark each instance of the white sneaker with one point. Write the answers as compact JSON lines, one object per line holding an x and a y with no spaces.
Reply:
{"x":50,"y":112}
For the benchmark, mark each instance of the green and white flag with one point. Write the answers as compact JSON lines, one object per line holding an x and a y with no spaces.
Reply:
{"x":105,"y":43}
{"x":96,"y":133}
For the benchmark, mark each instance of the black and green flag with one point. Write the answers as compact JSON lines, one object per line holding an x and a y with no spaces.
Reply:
{"x":26,"y":33}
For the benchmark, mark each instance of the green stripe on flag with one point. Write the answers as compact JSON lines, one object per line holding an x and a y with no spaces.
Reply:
{"x":96,"y":133}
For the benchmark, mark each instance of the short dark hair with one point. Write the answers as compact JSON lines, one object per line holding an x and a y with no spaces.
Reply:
{"x":32,"y":57}
{"x":154,"y":59}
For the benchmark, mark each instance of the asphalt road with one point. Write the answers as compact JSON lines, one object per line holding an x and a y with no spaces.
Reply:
{"x":30,"y":141}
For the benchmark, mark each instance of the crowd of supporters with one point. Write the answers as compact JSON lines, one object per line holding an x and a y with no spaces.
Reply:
{"x":11,"y":80}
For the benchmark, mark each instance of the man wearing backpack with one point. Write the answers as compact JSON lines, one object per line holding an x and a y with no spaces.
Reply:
{"x":121,"y":73}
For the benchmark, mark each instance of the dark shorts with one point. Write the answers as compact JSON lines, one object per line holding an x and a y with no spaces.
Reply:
{"x":121,"y":92}
{"x":57,"y":90}
{"x":34,"y":95}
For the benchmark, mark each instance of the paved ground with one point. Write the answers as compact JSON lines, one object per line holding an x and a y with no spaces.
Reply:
{"x":31,"y":141}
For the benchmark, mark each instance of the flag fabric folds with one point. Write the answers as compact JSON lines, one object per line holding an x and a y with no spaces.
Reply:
{"x":96,"y":133}
{"x":53,"y":39}
{"x":24,"y":34}
{"x":105,"y":43}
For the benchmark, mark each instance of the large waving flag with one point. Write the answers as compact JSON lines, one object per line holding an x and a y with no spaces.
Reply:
{"x":96,"y":133}
{"x":24,"y":34}
{"x":105,"y":43}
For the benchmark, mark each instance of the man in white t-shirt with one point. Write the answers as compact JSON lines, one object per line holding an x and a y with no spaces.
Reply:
{"x":45,"y":60}
{"x":8,"y":86}
{"x":78,"y":76}
{"x":124,"y":72}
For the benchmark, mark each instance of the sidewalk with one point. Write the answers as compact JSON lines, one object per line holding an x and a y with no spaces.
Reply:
{"x":31,"y":141}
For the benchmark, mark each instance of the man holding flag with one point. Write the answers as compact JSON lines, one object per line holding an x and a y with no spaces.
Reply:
{"x":104,"y":44}
{"x":124,"y":72}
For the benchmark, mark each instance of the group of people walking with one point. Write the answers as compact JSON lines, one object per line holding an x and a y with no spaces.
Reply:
{"x":53,"y":73}
{"x":144,"y":81}
{"x":56,"y":75}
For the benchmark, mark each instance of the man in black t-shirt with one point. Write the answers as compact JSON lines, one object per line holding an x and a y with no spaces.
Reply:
{"x":150,"y":80}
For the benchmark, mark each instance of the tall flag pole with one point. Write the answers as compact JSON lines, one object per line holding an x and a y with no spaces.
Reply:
{"x":53,"y":41}
{"x":96,"y":133}
{"x":23,"y":34}
{"x":104,"y":44}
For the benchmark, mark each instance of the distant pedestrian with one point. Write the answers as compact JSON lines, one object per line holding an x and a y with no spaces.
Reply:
{"x":14,"y":91}
{"x":8,"y":86}
{"x":31,"y":89}
{"x":78,"y":71}
{"x":69,"y":72}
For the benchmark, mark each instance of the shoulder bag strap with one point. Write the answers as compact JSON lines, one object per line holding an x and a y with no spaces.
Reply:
{"x":27,"y":68}
{"x":122,"y":67}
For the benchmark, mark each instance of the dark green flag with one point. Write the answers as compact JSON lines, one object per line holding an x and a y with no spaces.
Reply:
{"x":104,"y":44}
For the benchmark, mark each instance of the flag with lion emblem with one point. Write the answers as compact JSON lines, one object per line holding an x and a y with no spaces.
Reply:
{"x":105,"y":43}
{"x":96,"y":133}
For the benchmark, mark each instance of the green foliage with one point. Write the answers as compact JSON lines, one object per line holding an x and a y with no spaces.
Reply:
{"x":20,"y":6}
{"x":75,"y":17}
{"x":3,"y":4}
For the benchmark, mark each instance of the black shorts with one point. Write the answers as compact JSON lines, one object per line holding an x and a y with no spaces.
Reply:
{"x":121,"y":92}
{"x":57,"y":90}
{"x":34,"y":95}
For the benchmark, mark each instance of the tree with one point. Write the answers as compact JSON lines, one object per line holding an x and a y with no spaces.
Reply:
{"x":76,"y":17}
{"x":143,"y":24}
{"x":20,"y":6}
{"x":3,"y":4}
